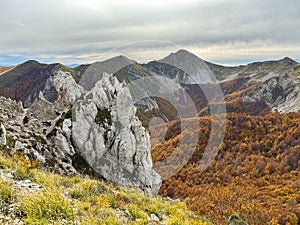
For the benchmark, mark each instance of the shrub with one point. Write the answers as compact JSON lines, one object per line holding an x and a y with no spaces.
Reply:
{"x":86,"y":189}
{"x":45,"y":206}
{"x":137,"y":213}
{"x":4,"y":163}
{"x":7,"y":196}
{"x":22,"y":173}
{"x":6,"y":192}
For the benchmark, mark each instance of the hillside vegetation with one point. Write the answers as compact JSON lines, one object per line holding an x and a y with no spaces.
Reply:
{"x":256,"y":173}
{"x":31,"y":196}
{"x":4,"y":68}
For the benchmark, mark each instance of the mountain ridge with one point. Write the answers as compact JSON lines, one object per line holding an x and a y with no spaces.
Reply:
{"x":74,"y":131}
{"x":284,"y":58}
{"x":24,"y":81}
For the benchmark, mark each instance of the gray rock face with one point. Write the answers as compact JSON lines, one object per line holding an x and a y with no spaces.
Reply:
{"x":281,"y":93}
{"x":111,"y":138}
{"x":69,"y":90}
{"x":43,"y":130}
{"x":94,"y":73}
{"x":2,"y":135}
{"x":10,"y":110}
{"x":196,"y":71}
{"x":99,"y":125}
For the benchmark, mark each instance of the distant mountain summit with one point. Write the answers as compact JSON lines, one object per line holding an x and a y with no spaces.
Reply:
{"x":195,"y":69}
{"x":95,"y":71}
{"x":274,"y":84}
{"x":24,"y":82}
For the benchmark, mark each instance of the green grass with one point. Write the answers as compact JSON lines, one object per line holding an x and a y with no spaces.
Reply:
{"x":7,"y":196}
{"x":74,"y":200}
{"x":4,"y":164}
{"x":86,"y":189}
{"x":49,"y":205}
{"x":6,"y":192}
{"x":296,"y":73}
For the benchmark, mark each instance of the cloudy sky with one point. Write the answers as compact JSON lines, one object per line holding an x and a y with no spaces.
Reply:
{"x":82,"y":31}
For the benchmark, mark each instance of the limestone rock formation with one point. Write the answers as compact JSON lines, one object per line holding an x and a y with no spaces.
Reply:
{"x":111,"y":138}
{"x":99,"y":126}
{"x":281,"y":93}
{"x":69,"y":91}
{"x":2,"y":135}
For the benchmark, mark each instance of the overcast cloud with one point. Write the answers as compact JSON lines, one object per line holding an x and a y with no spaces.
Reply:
{"x":81,"y":31}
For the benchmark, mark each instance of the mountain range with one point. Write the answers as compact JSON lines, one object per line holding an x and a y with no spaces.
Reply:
{"x":273,"y":85}
{"x":82,"y":121}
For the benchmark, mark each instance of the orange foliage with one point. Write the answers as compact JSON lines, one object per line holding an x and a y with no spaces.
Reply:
{"x":256,"y":173}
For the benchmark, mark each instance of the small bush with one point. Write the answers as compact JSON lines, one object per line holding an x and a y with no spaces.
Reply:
{"x":7,"y":196}
{"x":4,"y":163}
{"x":6,"y":192}
{"x":101,"y":201}
{"x":137,"y":213}
{"x":45,"y":206}
{"x":87,"y":189}
{"x":51,"y":180}
{"x":22,"y":173}
{"x":155,"y":208}
{"x":10,"y":141}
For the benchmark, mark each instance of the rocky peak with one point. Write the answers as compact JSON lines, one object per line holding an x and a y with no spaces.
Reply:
{"x":95,"y":71}
{"x":112,"y":139}
{"x":32,"y":61}
{"x":196,"y":70}
{"x":121,"y":58}
{"x":69,"y":90}
{"x":184,"y":54}
{"x":288,"y":61}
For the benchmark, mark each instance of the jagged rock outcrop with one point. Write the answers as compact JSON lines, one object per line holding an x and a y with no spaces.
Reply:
{"x":2,"y":135}
{"x":10,"y":117}
{"x":69,"y":91}
{"x":281,"y":93}
{"x":10,"y":109}
{"x":111,"y":138}
{"x":43,"y":130}
{"x":99,"y":126}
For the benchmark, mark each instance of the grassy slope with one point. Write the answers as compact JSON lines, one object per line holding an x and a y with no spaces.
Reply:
{"x":74,"y":200}
{"x":3,"y":69}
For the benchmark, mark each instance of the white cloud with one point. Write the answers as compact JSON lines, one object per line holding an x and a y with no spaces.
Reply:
{"x":17,"y":22}
{"x":77,"y":30}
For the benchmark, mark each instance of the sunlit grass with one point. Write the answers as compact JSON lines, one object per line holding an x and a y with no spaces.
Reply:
{"x":74,"y":200}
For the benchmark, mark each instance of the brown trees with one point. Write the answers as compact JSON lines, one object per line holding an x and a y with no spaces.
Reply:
{"x":256,"y":173}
